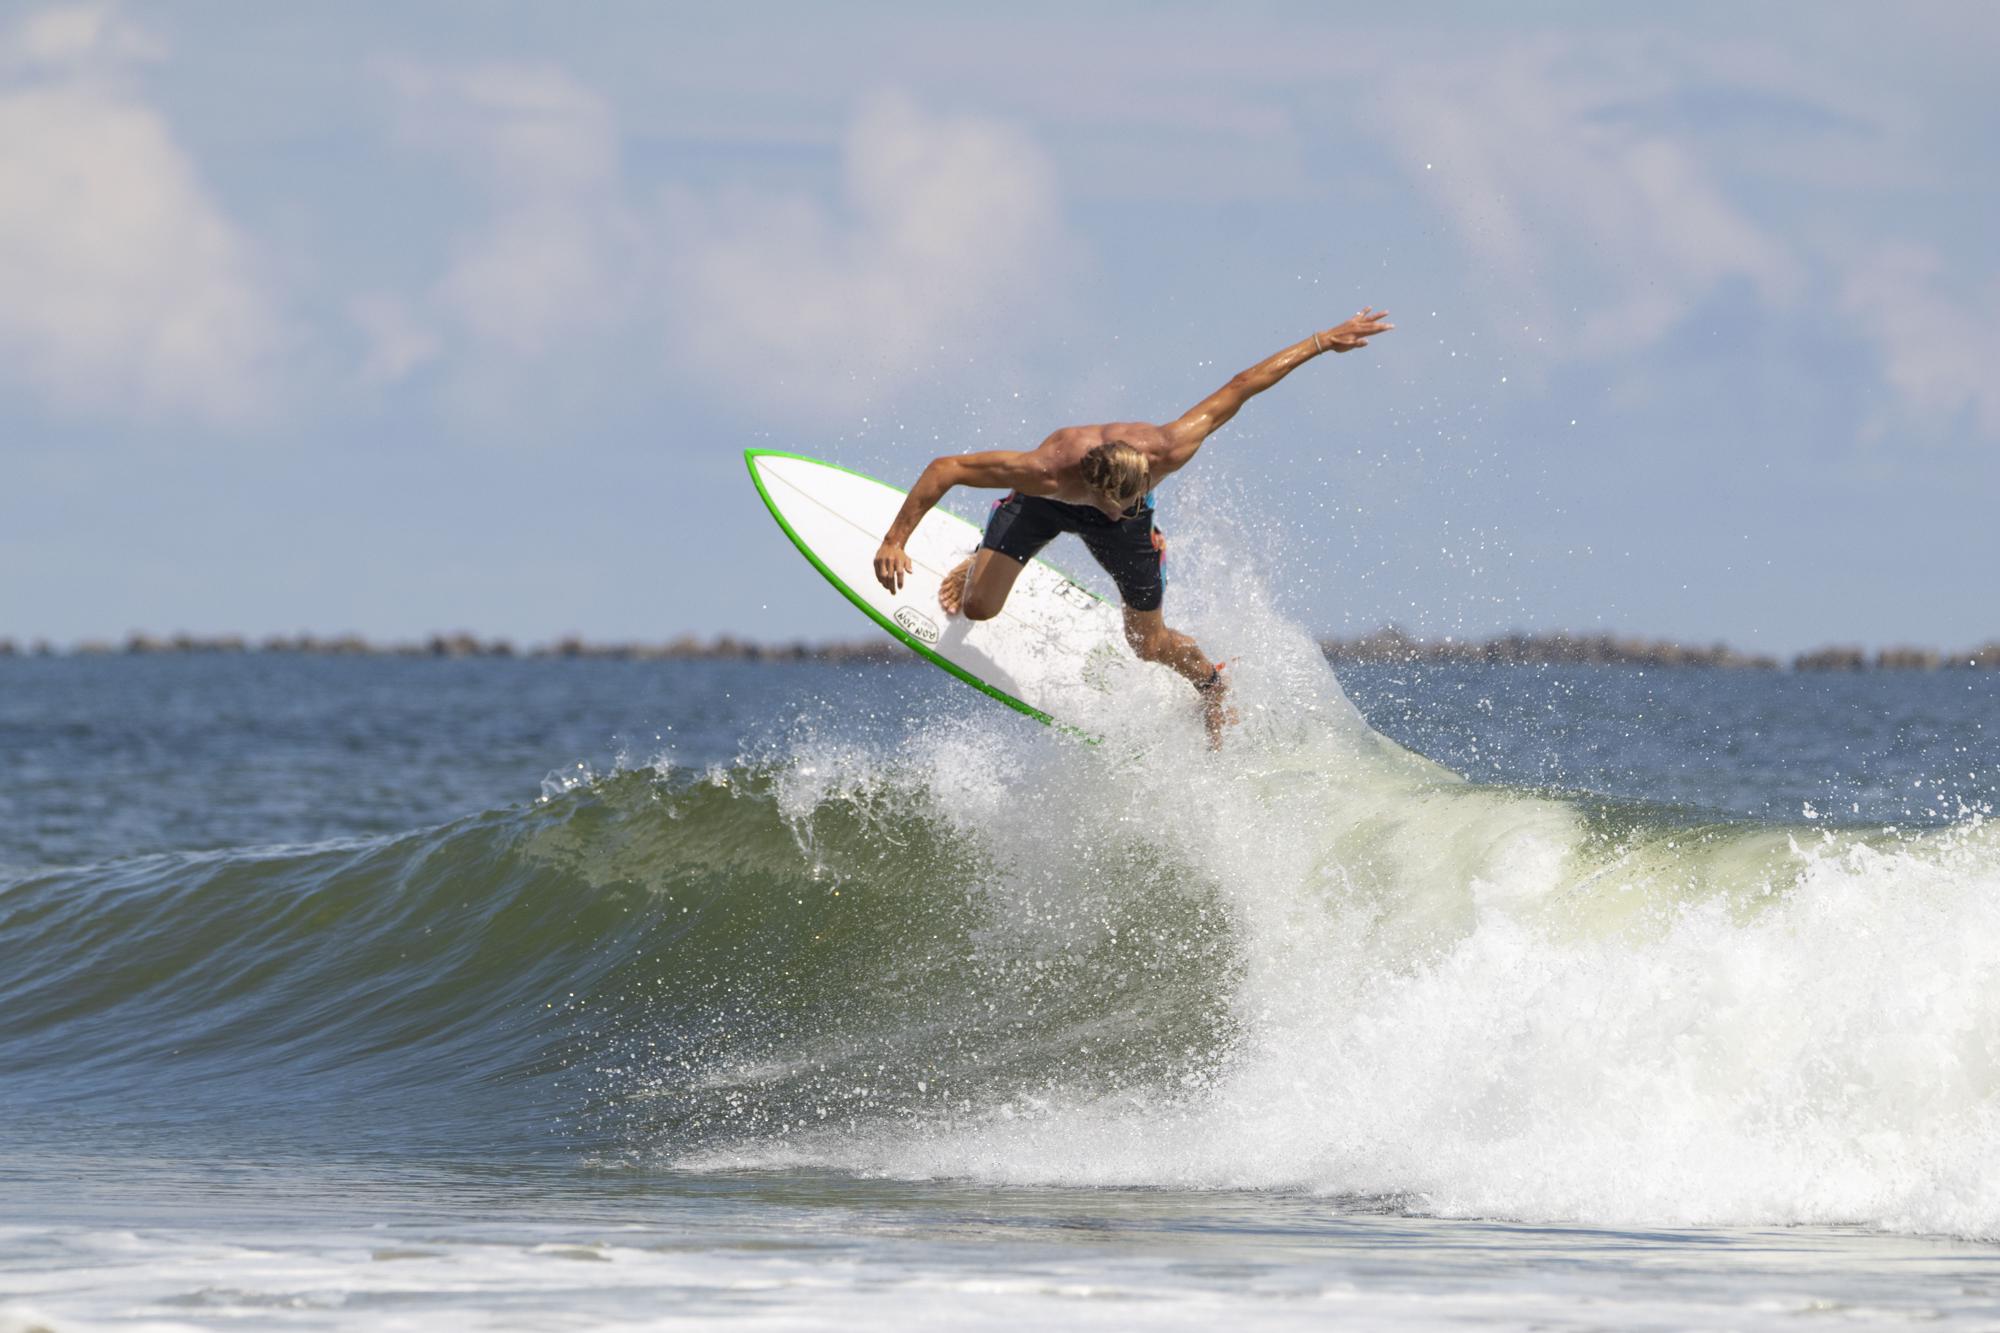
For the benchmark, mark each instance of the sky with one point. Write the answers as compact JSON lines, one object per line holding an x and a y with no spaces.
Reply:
{"x":395,"y":319}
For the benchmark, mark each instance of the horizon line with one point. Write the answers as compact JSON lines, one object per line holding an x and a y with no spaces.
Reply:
{"x":1388,"y":644}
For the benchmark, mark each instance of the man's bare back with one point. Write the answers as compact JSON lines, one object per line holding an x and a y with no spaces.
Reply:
{"x":1058,"y":458}
{"x":1109,"y":469}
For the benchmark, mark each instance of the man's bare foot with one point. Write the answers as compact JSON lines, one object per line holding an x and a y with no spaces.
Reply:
{"x":1215,"y":710}
{"x":951,"y":593}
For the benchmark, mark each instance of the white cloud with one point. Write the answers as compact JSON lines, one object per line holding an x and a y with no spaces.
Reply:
{"x":1575,"y":204}
{"x":538,"y":276}
{"x":1574,"y":169}
{"x":783,"y":301}
{"x":551,"y":267}
{"x":526,"y":130}
{"x":1939,"y":346}
{"x":77,"y":36}
{"x":399,"y":341}
{"x":948,"y":226}
{"x":124,"y":288}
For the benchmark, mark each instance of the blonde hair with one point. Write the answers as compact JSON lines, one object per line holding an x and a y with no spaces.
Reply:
{"x":1116,"y":469}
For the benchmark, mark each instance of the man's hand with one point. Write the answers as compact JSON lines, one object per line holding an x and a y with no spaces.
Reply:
{"x":1357,"y":331}
{"x":892,"y":562}
{"x":1186,"y":432}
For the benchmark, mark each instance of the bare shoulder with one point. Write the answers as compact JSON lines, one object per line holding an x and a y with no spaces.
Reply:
{"x":1155,"y":442}
{"x":1064,"y":449}
{"x":1141,"y":435}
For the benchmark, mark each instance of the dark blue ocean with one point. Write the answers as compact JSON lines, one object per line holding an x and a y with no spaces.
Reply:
{"x":410,"y":993}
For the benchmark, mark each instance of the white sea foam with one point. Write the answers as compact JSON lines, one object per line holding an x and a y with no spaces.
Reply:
{"x":1157,"y":1262}
{"x":1480,"y":1000}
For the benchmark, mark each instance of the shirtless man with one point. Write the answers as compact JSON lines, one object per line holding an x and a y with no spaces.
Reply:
{"x":1097,"y":482}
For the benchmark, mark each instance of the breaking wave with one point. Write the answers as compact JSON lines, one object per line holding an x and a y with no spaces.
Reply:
{"x":1313,"y":961}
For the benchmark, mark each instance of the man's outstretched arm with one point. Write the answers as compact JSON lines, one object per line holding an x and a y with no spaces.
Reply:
{"x":1000,"y":468}
{"x":1207,"y":416}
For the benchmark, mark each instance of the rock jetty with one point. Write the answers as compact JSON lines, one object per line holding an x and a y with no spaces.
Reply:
{"x":1387,"y":645}
{"x":461,"y":643}
{"x":1391,"y":644}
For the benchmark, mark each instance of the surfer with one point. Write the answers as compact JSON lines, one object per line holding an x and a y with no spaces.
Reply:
{"x":1097,"y":481}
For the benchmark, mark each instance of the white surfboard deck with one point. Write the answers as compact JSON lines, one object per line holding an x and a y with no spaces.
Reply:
{"x":1056,"y":651}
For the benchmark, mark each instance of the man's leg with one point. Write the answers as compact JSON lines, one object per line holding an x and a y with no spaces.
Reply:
{"x":1018,"y":529}
{"x":1153,"y":641}
{"x":978,"y":585}
{"x":1134,"y":553}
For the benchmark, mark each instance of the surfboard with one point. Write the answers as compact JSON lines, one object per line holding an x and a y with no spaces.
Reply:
{"x":1055,"y":651}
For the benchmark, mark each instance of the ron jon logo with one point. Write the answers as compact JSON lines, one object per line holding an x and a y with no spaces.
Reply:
{"x":920,"y":626}
{"x":1075,"y":595}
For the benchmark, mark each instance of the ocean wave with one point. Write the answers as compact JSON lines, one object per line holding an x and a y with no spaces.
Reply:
{"x":1313,"y":961}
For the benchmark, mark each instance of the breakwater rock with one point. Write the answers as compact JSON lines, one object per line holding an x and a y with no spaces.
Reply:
{"x":1391,"y":644}
{"x":461,"y":643}
{"x":1387,"y":645}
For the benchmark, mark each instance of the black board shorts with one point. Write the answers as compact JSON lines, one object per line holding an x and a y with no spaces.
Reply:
{"x":1022,"y":525}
